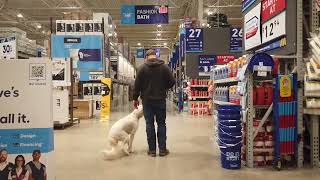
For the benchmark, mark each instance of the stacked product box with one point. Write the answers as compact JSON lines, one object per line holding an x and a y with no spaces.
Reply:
{"x":263,"y":145}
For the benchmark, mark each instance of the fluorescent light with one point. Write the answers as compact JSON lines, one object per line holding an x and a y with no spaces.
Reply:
{"x":110,"y":26}
{"x":115,"y":34}
{"x":139,"y":44}
{"x":159,"y":25}
{"x":159,"y":34}
{"x":39,"y":26}
{"x":110,"y":34}
{"x":43,"y":32}
{"x":203,"y":24}
{"x":19,"y":15}
{"x":210,"y":13}
{"x":165,"y":44}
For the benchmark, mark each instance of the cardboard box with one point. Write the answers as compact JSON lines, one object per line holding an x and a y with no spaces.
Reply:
{"x":82,"y":109}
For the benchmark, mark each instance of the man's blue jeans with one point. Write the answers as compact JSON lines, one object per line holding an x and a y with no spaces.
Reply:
{"x":152,"y":112}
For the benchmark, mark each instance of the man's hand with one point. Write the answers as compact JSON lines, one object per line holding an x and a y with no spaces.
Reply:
{"x":136,"y":104}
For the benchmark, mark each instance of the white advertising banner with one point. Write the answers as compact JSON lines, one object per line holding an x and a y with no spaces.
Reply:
{"x":274,"y":28}
{"x":252,"y":34}
{"x":8,"y":48}
{"x":25,"y":116}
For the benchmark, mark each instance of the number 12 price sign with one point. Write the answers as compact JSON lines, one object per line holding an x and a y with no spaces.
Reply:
{"x":194,"y":40}
{"x":274,"y":28}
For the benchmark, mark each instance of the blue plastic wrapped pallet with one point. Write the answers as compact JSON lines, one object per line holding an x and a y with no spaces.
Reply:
{"x":230,"y":136}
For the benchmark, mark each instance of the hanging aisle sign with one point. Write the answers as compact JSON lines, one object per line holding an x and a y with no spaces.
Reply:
{"x":8,"y":48}
{"x":246,"y":4}
{"x":236,"y":39}
{"x":252,"y":35}
{"x":194,"y":40}
{"x":26,"y":110}
{"x":274,"y":28}
{"x":271,"y":8}
{"x":206,"y":64}
{"x":146,"y":14}
{"x":225,"y":59}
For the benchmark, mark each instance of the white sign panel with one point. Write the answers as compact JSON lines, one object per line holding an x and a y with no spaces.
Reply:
{"x":252,"y":35}
{"x":61,"y":72}
{"x":274,"y":28}
{"x":26,"y":105}
{"x":8,"y":48}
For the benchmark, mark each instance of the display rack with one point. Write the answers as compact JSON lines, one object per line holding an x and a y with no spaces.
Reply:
{"x":313,"y":113}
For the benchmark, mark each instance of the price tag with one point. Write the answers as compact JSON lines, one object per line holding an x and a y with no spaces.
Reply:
{"x":262,"y":73}
{"x":95,"y":76}
{"x":274,"y":28}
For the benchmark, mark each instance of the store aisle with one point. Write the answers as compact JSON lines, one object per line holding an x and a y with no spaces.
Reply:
{"x":193,"y":155}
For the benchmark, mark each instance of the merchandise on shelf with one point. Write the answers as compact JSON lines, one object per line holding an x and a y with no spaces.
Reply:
{"x":229,"y":70}
{"x":230,"y":135}
{"x":263,"y":94}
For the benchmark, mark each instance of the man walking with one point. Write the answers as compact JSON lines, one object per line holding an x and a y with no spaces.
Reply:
{"x":153,"y":80}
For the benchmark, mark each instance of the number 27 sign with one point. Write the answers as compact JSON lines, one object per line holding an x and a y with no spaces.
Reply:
{"x":194,"y":40}
{"x":274,"y":28}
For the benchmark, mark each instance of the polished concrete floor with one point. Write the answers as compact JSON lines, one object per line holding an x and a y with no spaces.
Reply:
{"x":193,"y":155}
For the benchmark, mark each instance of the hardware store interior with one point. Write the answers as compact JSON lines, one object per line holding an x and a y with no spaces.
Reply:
{"x":164,"y":89}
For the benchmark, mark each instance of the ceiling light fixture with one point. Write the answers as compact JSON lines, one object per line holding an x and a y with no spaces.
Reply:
{"x":139,"y":44}
{"x":159,"y":34}
{"x":39,"y":26}
{"x":19,"y":15}
{"x":159,"y":25}
{"x":165,"y":44}
{"x":43,"y":32}
{"x":210,"y":13}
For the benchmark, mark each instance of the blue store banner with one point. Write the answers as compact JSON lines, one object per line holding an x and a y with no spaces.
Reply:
{"x":206,"y":63}
{"x":246,"y":4}
{"x":140,"y":53}
{"x":236,"y":39}
{"x":194,"y":40}
{"x":85,"y":51}
{"x":144,"y":14}
{"x":128,"y":14}
{"x":182,"y":46}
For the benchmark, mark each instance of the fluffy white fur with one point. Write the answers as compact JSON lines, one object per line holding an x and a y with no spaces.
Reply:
{"x":121,"y":135}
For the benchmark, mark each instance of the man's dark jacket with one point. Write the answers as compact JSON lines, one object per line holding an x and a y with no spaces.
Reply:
{"x":153,"y":80}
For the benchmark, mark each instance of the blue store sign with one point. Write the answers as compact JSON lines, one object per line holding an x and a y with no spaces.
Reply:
{"x":236,"y":39}
{"x":140,"y":53}
{"x":147,"y":14}
{"x":194,"y":40}
{"x":246,"y":4}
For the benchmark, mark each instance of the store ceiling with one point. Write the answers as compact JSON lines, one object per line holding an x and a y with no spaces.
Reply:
{"x":39,"y":12}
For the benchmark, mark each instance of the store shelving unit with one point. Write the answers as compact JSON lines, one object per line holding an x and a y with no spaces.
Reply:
{"x":226,"y":81}
{"x":223,"y":103}
{"x":313,"y":113}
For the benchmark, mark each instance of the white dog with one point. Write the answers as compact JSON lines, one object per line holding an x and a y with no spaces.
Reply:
{"x":121,"y":135}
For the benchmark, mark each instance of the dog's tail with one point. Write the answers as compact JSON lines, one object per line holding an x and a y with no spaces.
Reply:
{"x":114,"y":153}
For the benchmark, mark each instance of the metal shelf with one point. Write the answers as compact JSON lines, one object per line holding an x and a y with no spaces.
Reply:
{"x":312,"y":94}
{"x":225,"y":81}
{"x":312,"y":111}
{"x":199,"y":86}
{"x":224,"y":103}
{"x":261,"y":106}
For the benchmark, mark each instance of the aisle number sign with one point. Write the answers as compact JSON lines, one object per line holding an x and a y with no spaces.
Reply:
{"x":194,"y":40}
{"x":236,"y":39}
{"x":274,"y":28}
{"x":8,"y":48}
{"x":272,"y":8}
{"x":252,"y":35}
{"x":285,"y":86}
